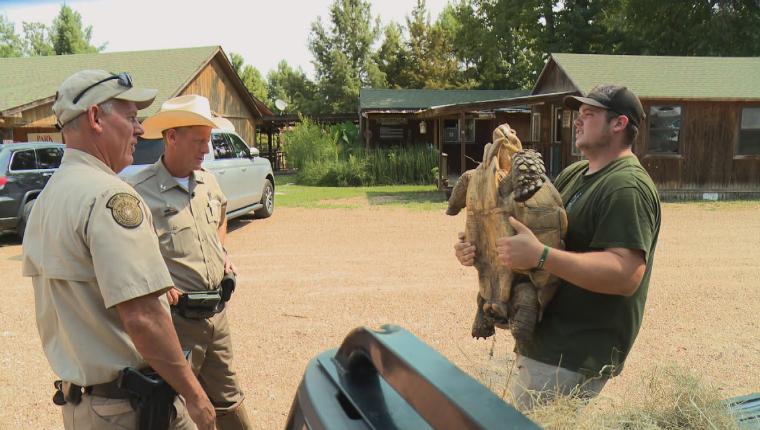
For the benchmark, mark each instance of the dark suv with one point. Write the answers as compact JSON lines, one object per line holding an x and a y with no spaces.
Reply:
{"x":25,"y":168}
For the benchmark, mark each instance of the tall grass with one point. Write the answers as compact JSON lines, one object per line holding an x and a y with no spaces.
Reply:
{"x":335,"y":156}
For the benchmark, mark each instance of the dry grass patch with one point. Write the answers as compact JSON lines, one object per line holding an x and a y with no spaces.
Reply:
{"x":671,"y":398}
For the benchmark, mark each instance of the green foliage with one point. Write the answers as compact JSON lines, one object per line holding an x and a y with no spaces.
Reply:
{"x":335,"y":157}
{"x":37,"y":39}
{"x":294,"y":88}
{"x":65,"y":36}
{"x":10,"y":43}
{"x":251,"y":77}
{"x":343,"y":58}
{"x":68,"y":36}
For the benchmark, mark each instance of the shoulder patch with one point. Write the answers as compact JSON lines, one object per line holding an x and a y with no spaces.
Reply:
{"x":125,"y":209}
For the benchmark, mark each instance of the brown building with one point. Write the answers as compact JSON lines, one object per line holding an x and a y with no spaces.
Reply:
{"x":701,"y":137}
{"x":394,"y":118}
{"x":28,"y":86}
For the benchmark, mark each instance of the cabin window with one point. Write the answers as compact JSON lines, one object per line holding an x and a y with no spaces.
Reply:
{"x":451,"y":130}
{"x":749,"y":136}
{"x":535,"y":127}
{"x":664,"y":129}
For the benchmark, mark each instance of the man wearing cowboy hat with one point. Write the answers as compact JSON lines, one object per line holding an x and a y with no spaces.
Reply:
{"x":188,"y":210}
{"x":98,"y":276}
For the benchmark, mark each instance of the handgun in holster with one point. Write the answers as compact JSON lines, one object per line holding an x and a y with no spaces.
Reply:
{"x":227,"y":286}
{"x":153,"y":398}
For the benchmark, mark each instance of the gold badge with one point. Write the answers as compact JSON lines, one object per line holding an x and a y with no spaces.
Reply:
{"x":125,"y":209}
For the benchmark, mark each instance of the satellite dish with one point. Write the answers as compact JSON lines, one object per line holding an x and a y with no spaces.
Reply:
{"x":280,"y":105}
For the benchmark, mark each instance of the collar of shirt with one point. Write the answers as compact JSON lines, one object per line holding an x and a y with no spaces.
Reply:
{"x":166,"y":181}
{"x":75,"y":156}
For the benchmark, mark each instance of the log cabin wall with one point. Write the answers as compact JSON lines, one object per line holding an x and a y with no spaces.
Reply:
{"x":213,"y":83}
{"x":707,"y":159}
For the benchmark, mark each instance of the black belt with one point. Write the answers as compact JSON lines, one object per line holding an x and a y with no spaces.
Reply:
{"x":68,"y":392}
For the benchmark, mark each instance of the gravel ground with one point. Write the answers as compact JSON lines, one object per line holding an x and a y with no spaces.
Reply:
{"x":309,"y":276}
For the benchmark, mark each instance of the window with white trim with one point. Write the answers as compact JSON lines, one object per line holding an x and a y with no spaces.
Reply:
{"x":535,"y":127}
{"x":749,"y":134}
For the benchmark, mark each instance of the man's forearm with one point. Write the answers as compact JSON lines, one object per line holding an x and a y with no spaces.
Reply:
{"x":150,"y":327}
{"x":614,"y":271}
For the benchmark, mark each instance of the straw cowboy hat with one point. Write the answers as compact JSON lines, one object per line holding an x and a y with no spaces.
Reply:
{"x":182,"y":111}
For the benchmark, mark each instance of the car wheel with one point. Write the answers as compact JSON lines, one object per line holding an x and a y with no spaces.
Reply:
{"x":24,"y":218}
{"x":267,"y":199}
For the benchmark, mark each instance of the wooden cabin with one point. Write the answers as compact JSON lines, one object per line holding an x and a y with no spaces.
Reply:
{"x":392,"y":118}
{"x":28,"y":86}
{"x":701,"y":137}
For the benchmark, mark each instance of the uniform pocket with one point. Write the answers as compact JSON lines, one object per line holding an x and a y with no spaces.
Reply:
{"x":214,"y":211}
{"x":176,"y":234}
{"x":117,"y":413}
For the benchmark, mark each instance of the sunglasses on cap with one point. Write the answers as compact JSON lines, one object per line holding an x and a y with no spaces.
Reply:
{"x":123,"y":78}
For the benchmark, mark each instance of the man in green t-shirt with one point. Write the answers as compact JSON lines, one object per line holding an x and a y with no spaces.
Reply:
{"x":613,"y":214}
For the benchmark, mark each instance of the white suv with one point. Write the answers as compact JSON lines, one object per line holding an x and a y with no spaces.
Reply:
{"x":245,"y":178}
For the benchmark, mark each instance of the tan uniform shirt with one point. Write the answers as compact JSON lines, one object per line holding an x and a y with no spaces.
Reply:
{"x":187,"y":223}
{"x":89,"y":245}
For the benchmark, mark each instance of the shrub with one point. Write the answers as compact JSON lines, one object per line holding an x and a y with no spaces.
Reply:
{"x":336,"y":157}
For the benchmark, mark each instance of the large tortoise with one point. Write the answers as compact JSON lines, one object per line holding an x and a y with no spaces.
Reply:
{"x":509,"y":182}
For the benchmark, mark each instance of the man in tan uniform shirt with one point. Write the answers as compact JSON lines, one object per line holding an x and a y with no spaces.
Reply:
{"x":96,"y":268}
{"x":188,"y":209}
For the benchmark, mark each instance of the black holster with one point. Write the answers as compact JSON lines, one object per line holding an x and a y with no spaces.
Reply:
{"x":206,"y":304}
{"x":153,"y":398}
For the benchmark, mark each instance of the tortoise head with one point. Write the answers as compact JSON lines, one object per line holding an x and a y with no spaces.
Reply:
{"x":507,"y":143}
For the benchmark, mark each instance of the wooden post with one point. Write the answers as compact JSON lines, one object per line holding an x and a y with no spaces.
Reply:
{"x":462,"y":135}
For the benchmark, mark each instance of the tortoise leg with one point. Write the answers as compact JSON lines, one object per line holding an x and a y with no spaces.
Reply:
{"x":483,"y":325}
{"x":525,"y":303}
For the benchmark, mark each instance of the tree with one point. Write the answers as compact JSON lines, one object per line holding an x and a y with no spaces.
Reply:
{"x":255,"y":82}
{"x":343,"y":58}
{"x":501,"y":42}
{"x":251,"y":77}
{"x":430,"y":50}
{"x":10,"y":43}
{"x":294,"y":88}
{"x":392,"y":57}
{"x":68,"y":35}
{"x":697,"y":27}
{"x":37,"y":39}
{"x":237,"y":62}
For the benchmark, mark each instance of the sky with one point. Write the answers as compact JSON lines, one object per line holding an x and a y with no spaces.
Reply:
{"x":263,"y":32}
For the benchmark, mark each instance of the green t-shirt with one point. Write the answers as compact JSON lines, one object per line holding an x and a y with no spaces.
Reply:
{"x":616,"y":207}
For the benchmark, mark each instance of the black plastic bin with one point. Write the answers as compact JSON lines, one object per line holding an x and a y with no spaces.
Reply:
{"x":389,"y":379}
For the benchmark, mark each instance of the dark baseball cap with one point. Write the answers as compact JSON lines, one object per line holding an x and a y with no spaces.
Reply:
{"x":611,"y":97}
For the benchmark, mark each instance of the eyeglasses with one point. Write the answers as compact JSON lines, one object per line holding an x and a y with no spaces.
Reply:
{"x":123,"y":78}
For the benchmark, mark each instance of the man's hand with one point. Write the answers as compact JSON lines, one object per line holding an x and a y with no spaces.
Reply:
{"x":173,"y":296}
{"x":202,"y":412}
{"x":520,"y":251}
{"x":228,"y":266}
{"x":464,"y":251}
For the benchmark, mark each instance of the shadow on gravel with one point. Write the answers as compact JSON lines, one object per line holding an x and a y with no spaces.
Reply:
{"x":9,"y":239}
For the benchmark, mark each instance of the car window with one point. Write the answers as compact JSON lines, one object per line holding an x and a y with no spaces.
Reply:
{"x":49,"y":158}
{"x":222,"y":148}
{"x":240,"y":148}
{"x":23,"y":160}
{"x":148,"y":151}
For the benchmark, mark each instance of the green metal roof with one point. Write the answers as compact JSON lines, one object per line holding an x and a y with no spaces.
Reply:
{"x":371,"y":98}
{"x":666,"y":76}
{"x":28,"y":79}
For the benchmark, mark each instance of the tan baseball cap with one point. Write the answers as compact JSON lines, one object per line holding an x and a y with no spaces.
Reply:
{"x":91,"y":87}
